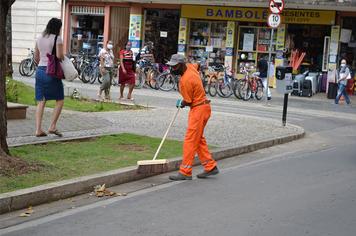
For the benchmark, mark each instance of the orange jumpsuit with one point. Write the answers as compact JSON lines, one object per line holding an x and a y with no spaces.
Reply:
{"x":192,"y":91}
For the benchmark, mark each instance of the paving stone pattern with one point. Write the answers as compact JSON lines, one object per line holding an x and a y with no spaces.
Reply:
{"x":223,"y":129}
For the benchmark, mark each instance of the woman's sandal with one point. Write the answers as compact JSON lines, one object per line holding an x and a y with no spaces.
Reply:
{"x":56,"y":132}
{"x":42,"y":134}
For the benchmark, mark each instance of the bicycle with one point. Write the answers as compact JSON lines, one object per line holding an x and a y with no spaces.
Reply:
{"x":167,"y":81}
{"x":212,"y":76}
{"x":28,"y":65}
{"x":95,"y":71}
{"x":80,"y":62}
{"x":250,"y":85}
{"x":146,"y":74}
{"x":226,"y":84}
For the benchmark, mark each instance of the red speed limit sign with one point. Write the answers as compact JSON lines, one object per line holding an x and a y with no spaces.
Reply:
{"x":276,"y":6}
{"x":274,"y":20}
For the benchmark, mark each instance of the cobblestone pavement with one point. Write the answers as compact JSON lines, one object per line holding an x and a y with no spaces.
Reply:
{"x":224,"y":128}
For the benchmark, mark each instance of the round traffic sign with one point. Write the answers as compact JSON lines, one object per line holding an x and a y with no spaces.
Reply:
{"x":274,"y":20}
{"x":276,"y":6}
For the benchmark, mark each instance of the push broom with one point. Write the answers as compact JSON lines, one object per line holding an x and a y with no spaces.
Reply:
{"x":156,"y":165}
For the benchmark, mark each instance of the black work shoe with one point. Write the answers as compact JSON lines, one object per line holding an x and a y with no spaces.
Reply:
{"x":205,"y":174}
{"x":269,"y":98}
{"x":180,"y":176}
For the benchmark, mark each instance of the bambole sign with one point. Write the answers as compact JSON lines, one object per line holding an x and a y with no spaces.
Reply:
{"x":257,"y":14}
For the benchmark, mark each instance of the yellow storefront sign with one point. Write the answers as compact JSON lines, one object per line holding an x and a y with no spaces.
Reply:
{"x":257,"y":14}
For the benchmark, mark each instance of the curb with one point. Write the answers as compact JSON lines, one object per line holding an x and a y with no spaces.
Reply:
{"x":68,"y":188}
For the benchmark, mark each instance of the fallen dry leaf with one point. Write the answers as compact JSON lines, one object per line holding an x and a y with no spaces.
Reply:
{"x":100,"y":191}
{"x":27,"y":213}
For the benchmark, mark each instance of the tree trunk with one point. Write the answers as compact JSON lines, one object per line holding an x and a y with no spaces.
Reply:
{"x":4,"y":7}
{"x":8,"y":165}
{"x":9,"y":70}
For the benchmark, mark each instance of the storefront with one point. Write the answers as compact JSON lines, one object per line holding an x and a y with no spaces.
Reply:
{"x":234,"y":36}
{"x":89,"y":25}
{"x":347,"y":43}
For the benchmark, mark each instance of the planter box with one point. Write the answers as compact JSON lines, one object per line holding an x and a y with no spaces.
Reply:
{"x":16,"y":111}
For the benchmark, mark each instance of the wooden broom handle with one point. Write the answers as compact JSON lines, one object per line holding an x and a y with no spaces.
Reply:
{"x":165,"y":135}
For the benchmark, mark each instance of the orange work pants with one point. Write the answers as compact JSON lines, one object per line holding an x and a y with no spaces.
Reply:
{"x":195,"y":142}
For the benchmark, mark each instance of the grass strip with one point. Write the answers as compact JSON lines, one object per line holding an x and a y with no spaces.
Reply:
{"x":65,"y":160}
{"x":19,"y":92}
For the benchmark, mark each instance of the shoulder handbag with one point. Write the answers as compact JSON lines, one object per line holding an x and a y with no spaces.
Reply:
{"x":70,"y":73}
{"x":54,"y":68}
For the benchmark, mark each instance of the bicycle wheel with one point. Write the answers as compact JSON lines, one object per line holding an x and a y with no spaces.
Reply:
{"x":21,"y":67}
{"x":236,"y":88}
{"x":152,"y":79}
{"x":204,"y":80}
{"x":212,"y":90}
{"x":224,"y":90}
{"x":94,"y":75}
{"x":30,"y":68}
{"x":140,"y":78}
{"x":259,"y":90}
{"x":100,"y":79}
{"x":86,"y":74}
{"x":26,"y":67}
{"x":166,"y":82}
{"x":245,"y":91}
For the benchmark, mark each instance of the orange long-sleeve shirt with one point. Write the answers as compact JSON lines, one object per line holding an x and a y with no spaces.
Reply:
{"x":191,"y":87}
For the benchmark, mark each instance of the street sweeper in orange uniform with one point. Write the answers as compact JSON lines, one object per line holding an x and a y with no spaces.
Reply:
{"x":193,"y":93}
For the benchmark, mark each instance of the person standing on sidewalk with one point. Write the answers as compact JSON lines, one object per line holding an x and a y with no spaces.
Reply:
{"x":47,"y":87}
{"x":106,"y":56}
{"x":342,"y":76}
{"x":127,"y":71}
{"x":262,"y":67}
{"x":193,"y":93}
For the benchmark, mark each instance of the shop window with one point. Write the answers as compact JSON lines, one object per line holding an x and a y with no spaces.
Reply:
{"x":87,"y":28}
{"x":162,"y":28}
{"x":253,"y":44}
{"x":207,"y":41}
{"x":309,"y":39}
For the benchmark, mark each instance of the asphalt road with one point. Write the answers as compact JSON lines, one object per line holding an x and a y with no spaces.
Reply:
{"x":305,"y":191}
{"x":307,"y":187}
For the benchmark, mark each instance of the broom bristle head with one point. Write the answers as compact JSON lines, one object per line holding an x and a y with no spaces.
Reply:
{"x":152,"y":162}
{"x":152,"y":169}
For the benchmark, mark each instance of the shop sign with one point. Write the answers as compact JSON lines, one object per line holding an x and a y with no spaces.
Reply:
{"x":257,"y":14}
{"x":87,"y":10}
{"x":281,"y":34}
{"x":182,"y":31}
{"x":248,"y":41}
{"x":135,"y":27}
{"x":230,"y":32}
{"x":163,"y":34}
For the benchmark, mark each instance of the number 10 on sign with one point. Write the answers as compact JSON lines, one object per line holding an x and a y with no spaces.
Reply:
{"x":274,"y":20}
